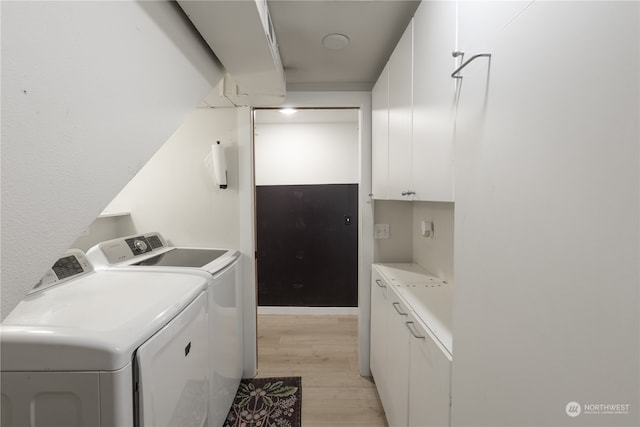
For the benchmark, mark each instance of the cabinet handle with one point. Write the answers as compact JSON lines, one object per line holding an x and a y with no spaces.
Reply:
{"x":396,"y":305}
{"x":411,"y":327}
{"x":408,"y":193}
{"x":379,"y":283}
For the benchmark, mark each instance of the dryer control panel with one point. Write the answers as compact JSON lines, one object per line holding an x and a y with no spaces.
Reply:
{"x":72,"y":265}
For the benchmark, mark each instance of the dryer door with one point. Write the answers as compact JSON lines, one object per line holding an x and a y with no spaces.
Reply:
{"x":174,"y":371}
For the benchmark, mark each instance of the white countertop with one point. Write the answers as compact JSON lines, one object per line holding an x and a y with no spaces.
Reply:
{"x":430,"y":298}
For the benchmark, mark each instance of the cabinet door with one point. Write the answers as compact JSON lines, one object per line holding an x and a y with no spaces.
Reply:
{"x":546,"y":150}
{"x":434,"y":93}
{"x":397,"y":361}
{"x":400,"y":104}
{"x":380,"y":136}
{"x":378,"y":357}
{"x":430,"y":379}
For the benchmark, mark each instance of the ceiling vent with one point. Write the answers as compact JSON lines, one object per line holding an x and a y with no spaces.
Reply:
{"x":241,"y":35}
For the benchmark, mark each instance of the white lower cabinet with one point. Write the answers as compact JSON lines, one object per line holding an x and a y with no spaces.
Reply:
{"x":378,"y":341}
{"x":397,"y":405}
{"x":430,"y":379}
{"x":412,"y":370}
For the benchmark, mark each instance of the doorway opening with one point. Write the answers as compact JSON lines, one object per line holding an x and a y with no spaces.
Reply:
{"x":306,"y":183}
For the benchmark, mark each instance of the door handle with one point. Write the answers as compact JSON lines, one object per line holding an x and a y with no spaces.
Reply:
{"x":396,"y":305}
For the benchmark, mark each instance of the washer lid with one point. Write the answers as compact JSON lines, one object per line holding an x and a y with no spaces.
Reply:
{"x":93,"y":323}
{"x":207,"y":259}
{"x":184,"y":257}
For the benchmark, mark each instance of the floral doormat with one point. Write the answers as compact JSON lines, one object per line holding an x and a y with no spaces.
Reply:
{"x":267,"y":402}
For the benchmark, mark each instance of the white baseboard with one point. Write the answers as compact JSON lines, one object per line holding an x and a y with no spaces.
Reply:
{"x":313,"y":311}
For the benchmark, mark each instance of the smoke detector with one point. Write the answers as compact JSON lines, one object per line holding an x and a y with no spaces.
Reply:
{"x":335,"y":41}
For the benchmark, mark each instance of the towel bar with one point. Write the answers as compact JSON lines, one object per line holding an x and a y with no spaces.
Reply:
{"x":467,"y":62}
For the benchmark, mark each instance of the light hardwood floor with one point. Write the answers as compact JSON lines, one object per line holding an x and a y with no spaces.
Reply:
{"x":323,"y":350}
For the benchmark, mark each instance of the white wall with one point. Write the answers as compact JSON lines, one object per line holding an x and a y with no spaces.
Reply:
{"x":90,"y":90}
{"x":406,"y":243}
{"x":307,"y":153}
{"x":173,"y":193}
{"x":546,"y":296}
{"x":104,"y":228}
{"x":398,"y":247}
{"x":435,"y":255}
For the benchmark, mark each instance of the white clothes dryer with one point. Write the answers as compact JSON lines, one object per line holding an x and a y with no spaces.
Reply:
{"x":106,"y":348}
{"x":150,"y":252}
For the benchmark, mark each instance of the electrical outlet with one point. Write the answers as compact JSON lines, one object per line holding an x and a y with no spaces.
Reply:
{"x":428,"y":229}
{"x":381,"y":231}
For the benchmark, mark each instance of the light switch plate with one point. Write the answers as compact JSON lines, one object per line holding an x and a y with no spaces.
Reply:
{"x":381,"y":231}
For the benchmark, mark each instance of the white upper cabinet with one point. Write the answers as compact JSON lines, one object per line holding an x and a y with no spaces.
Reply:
{"x":400,"y":106}
{"x":434,"y":38}
{"x":418,"y":129}
{"x":380,"y":136}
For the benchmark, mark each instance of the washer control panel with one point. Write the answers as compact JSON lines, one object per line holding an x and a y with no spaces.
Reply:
{"x":138,"y":245}
{"x":130,"y":247}
{"x":71,"y":265}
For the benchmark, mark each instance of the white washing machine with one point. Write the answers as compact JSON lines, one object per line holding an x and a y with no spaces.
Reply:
{"x":150,"y":252}
{"x":106,"y":348}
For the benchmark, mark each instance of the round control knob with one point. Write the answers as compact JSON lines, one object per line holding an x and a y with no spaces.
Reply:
{"x":140,"y":245}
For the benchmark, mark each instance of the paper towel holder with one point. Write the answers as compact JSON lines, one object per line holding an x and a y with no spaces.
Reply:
{"x":221,"y":166}
{"x":216,"y":165}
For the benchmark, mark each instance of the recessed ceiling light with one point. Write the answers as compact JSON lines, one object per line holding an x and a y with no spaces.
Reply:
{"x":335,"y":41}
{"x":288,"y":111}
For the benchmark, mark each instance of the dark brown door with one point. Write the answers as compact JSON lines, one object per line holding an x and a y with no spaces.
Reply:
{"x":307,"y":245}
